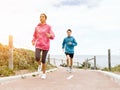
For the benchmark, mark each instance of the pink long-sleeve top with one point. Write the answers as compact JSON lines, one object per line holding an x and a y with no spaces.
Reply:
{"x":42,"y":41}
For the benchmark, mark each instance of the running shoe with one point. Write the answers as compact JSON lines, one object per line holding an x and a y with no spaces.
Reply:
{"x":43,"y":76}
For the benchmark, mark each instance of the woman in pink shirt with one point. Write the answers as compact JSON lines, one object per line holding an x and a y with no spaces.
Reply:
{"x":41,"y":40}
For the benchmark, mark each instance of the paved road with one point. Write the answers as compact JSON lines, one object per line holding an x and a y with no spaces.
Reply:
{"x":62,"y":80}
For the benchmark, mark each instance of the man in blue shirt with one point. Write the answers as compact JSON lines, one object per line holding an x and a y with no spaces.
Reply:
{"x":68,"y":46}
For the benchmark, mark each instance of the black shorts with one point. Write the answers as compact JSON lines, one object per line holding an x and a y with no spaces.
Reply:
{"x":70,"y":54}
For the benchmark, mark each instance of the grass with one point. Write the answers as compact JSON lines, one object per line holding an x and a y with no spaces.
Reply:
{"x":23,"y":61}
{"x":5,"y":71}
{"x":115,"y":69}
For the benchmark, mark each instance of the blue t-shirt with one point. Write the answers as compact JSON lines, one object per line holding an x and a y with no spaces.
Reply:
{"x":69,"y":43}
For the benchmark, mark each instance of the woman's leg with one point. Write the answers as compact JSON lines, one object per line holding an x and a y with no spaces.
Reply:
{"x":38,"y":59}
{"x":37,"y":55}
{"x":44,"y":54}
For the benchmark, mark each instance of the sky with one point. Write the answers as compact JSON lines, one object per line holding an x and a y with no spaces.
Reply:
{"x":95,"y":24}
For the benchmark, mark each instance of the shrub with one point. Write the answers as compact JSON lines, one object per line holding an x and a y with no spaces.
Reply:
{"x":5,"y":71}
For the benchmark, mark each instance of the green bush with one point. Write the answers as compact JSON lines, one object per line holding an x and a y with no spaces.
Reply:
{"x":5,"y":71}
{"x":22,"y":59}
{"x":116,"y":68}
{"x":105,"y":69}
{"x":113,"y":69}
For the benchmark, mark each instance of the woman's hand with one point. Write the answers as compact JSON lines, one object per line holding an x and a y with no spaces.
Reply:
{"x":48,"y":35}
{"x":33,"y":43}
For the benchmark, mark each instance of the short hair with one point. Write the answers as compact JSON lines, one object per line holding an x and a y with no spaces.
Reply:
{"x":44,"y":15}
{"x":69,"y":30}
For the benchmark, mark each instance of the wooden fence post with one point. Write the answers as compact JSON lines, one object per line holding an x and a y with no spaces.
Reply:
{"x":77,"y":64}
{"x":109,"y":60}
{"x":54,"y":61}
{"x":86,"y":63}
{"x":62,"y":61}
{"x":94,"y":62}
{"x":48,"y":58}
{"x":11,"y":52}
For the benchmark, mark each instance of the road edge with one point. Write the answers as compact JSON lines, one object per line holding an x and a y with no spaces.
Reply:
{"x":113,"y":76}
{"x":5,"y":79}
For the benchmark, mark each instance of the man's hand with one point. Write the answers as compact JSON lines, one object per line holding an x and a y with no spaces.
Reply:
{"x":69,"y":43}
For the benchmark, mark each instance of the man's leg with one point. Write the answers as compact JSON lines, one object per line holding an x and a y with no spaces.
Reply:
{"x":71,"y":62}
{"x":68,"y":60}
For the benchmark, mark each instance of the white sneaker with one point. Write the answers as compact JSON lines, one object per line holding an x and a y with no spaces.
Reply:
{"x":43,"y":76}
{"x":70,"y":70}
{"x":39,"y":69}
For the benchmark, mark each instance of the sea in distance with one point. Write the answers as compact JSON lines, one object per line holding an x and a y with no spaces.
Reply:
{"x":101,"y":60}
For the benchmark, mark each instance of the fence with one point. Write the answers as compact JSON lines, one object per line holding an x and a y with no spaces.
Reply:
{"x":55,"y":61}
{"x":58,"y":62}
{"x":87,"y":63}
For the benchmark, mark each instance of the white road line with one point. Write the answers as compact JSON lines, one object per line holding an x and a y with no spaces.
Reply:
{"x":70,"y":77}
